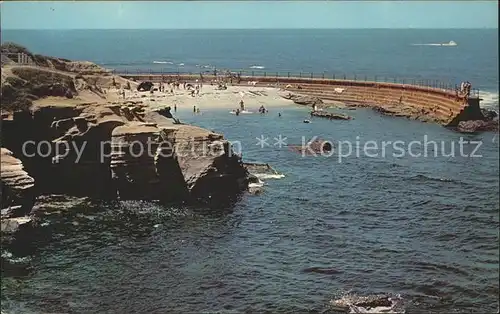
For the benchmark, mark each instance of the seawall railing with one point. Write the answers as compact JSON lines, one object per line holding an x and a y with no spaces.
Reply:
{"x":304,"y":75}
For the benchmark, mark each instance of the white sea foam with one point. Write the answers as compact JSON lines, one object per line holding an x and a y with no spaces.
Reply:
{"x":181,"y":64}
{"x":348,"y":303}
{"x":257,"y":67}
{"x":256,"y":184}
{"x":489,"y":99}
{"x":266,"y":176}
{"x":163,"y":62}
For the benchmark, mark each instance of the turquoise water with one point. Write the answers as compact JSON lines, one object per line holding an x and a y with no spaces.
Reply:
{"x":422,"y":227}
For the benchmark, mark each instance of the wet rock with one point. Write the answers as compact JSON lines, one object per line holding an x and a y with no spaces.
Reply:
{"x":473,"y":126}
{"x":330,"y":115}
{"x":14,"y":225}
{"x":489,"y":114}
{"x":372,"y":304}
{"x":314,"y":147}
{"x":259,"y":168}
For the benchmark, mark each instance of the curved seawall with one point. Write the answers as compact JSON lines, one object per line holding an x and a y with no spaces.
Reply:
{"x":443,"y":106}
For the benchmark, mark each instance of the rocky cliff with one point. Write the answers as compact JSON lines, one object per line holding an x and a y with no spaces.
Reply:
{"x":70,"y":135}
{"x":17,"y":186}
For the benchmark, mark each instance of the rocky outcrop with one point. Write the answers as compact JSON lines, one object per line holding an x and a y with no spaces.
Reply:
{"x":489,"y":114}
{"x":17,"y":185}
{"x":60,"y":64}
{"x":145,"y":86}
{"x":123,"y":149}
{"x":313,"y":147}
{"x":303,"y":100}
{"x":27,"y":84}
{"x":89,"y":149}
{"x":473,"y":126}
{"x":330,"y":115}
{"x":182,"y":163}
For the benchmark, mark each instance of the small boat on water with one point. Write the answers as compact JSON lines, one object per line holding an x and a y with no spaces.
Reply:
{"x":451,"y":43}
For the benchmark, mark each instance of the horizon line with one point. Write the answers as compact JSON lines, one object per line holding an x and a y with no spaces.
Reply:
{"x":264,"y":28}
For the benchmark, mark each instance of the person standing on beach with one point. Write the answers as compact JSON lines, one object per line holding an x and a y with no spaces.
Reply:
{"x":175,"y":107}
{"x":194,"y":109}
{"x":242,"y":105}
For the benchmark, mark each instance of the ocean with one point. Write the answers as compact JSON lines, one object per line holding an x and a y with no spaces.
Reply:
{"x":425,"y":228}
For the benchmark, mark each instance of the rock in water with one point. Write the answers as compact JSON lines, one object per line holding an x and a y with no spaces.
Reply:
{"x":369,"y":304}
{"x":16,"y":230}
{"x":17,"y":184}
{"x":16,"y":224}
{"x":489,"y":114}
{"x":473,"y":126}
{"x":330,"y":115}
{"x":314,"y":147}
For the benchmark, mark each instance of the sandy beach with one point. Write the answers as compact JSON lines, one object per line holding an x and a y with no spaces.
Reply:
{"x":211,"y":98}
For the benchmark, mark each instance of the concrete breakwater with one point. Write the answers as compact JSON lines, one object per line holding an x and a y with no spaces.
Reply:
{"x":443,"y":106}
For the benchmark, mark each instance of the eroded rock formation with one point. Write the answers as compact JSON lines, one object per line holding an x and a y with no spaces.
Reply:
{"x":77,"y":147}
{"x":17,"y":185}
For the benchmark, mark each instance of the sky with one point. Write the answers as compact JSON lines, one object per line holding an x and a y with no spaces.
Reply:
{"x":247,"y":14}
